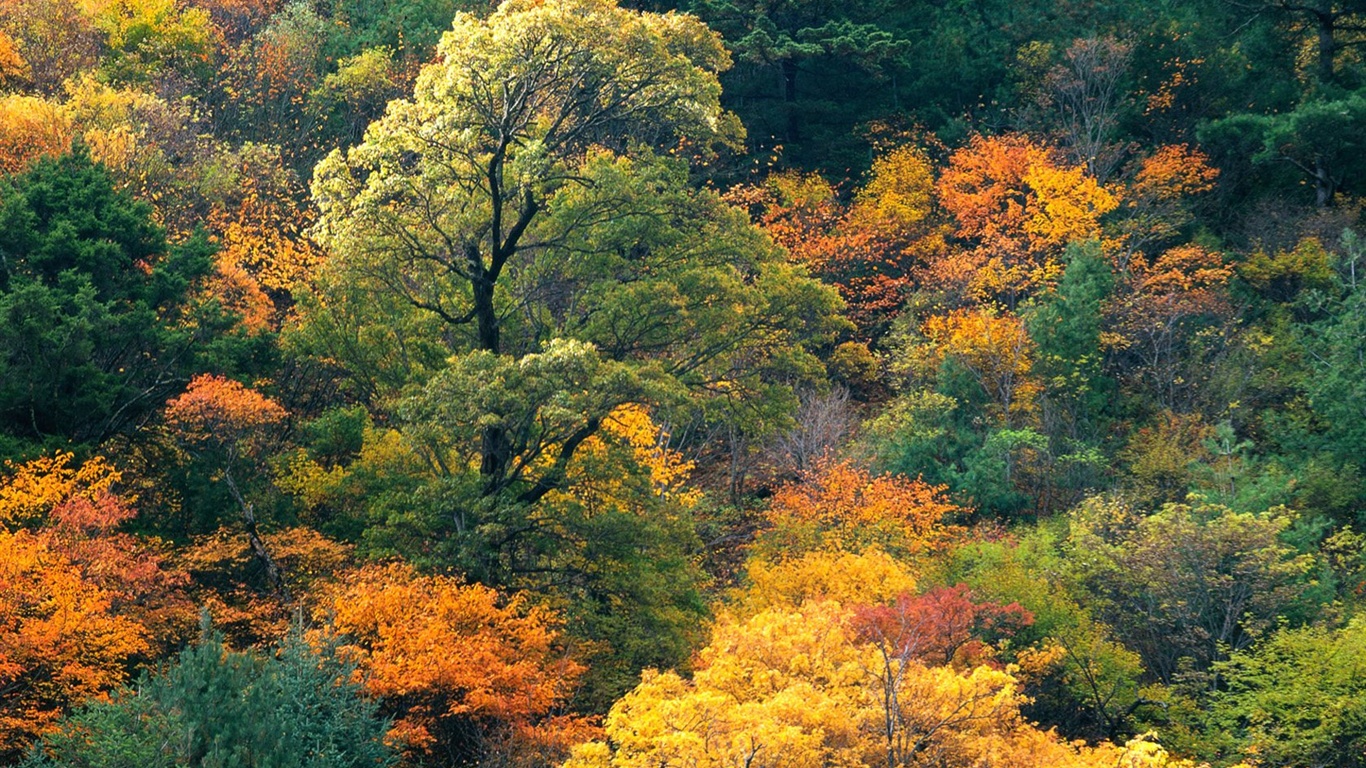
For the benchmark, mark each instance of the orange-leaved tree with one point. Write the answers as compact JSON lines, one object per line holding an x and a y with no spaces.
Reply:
{"x":80,"y":602}
{"x":868,"y":247}
{"x":1016,"y":206}
{"x":467,"y":673}
{"x":841,"y":506}
{"x":231,"y":428}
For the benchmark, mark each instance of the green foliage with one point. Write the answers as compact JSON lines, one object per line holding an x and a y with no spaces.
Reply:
{"x":1189,"y":583}
{"x":1297,"y":698}
{"x":1093,"y":689}
{"x":1067,"y":325}
{"x":97,"y":327}
{"x":215,"y":708}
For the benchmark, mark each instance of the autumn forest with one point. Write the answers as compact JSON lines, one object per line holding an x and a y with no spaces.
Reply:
{"x":682,"y":383}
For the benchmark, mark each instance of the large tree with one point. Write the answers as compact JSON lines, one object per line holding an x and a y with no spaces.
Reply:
{"x":519,"y":220}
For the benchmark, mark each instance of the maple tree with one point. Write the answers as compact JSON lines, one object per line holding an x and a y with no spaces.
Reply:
{"x":942,"y":626}
{"x":226,"y":423}
{"x":79,"y":601}
{"x":447,"y":656}
{"x":869,"y":247}
{"x":843,"y":507}
{"x":1016,"y":206}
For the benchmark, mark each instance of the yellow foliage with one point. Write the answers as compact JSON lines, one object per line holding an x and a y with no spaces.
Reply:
{"x":995,"y":348}
{"x":33,"y":489}
{"x":796,"y":686}
{"x":649,"y":446}
{"x":900,"y":190}
{"x":845,"y":578}
{"x":119,"y":20}
{"x":1067,"y":206}
{"x":30,"y":127}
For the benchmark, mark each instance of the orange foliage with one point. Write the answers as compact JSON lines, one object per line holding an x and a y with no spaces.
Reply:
{"x":840,"y":506}
{"x":260,"y":227}
{"x":866,"y":249}
{"x":1156,"y":203}
{"x":995,"y":348}
{"x":215,"y":411}
{"x":79,"y":601}
{"x":438,"y":650}
{"x":1016,"y":207}
{"x":227,"y":578}
{"x":13,"y":68}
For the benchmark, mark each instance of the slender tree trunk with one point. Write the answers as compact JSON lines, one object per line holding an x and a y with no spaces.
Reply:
{"x":258,"y":546}
{"x":790,"y":97}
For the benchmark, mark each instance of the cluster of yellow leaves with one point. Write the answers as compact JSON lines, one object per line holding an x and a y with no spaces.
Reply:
{"x":842,"y":507}
{"x":668,"y":469}
{"x":794,"y":686}
{"x":30,"y":127}
{"x":899,"y":193}
{"x":260,"y":225}
{"x":995,"y":348}
{"x":864,"y":578}
{"x":227,"y":578}
{"x":437,"y":648}
{"x":127,"y":23}
{"x":34,"y":489}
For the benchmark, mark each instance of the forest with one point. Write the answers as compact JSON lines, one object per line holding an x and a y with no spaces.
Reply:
{"x":682,"y":383}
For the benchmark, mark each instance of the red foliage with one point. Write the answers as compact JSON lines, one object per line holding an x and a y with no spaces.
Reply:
{"x":942,"y":626}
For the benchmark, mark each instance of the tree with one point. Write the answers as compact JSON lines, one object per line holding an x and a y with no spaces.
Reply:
{"x":1159,"y":314}
{"x":839,"y":506}
{"x":943,"y":626}
{"x":797,"y":686}
{"x":94,"y":305}
{"x":1189,"y":582}
{"x":1295,"y":698}
{"x":994,"y":348}
{"x":1016,"y":207}
{"x":227,"y":425}
{"x":80,"y":602}
{"x":1319,"y":138}
{"x":460,"y":667}
{"x":531,"y":235}
{"x":295,"y":705}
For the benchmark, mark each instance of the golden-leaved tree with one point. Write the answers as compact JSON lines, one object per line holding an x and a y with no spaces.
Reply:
{"x":810,"y":684}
